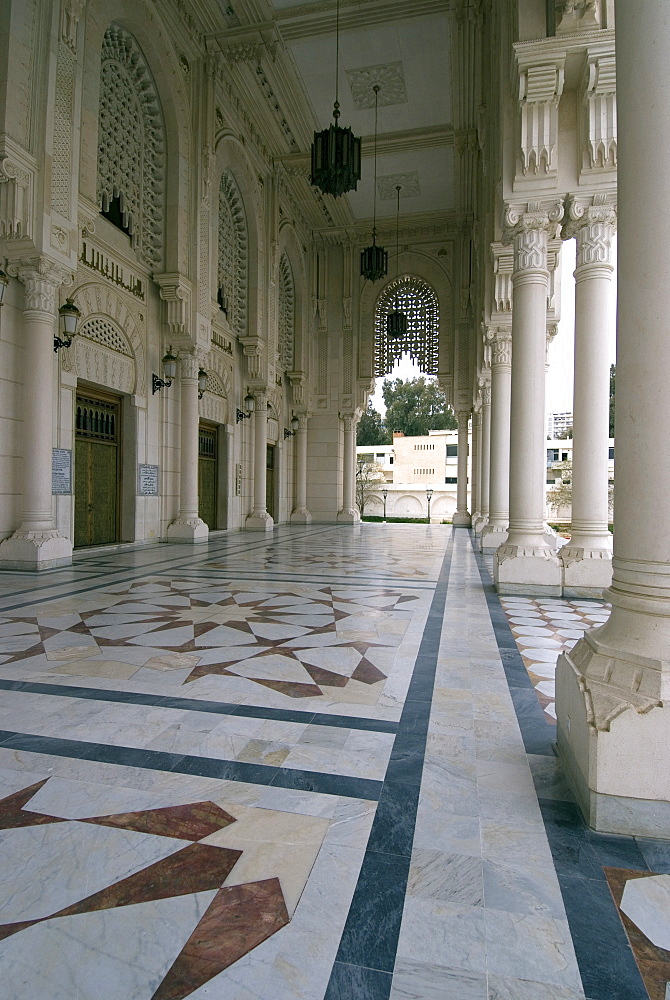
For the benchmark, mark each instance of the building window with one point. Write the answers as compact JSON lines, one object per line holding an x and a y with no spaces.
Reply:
{"x":611,"y":453}
{"x":452,"y":450}
{"x":552,"y":455}
{"x":564,"y":456}
{"x":450,"y":479}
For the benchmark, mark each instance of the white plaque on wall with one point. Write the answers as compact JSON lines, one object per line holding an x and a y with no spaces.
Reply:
{"x":147,"y":480}
{"x":61,"y":471}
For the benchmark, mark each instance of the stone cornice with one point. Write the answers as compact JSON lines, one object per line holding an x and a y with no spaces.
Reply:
{"x":319,"y":18}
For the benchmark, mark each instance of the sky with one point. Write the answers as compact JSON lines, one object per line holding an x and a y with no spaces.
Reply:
{"x":560,"y":378}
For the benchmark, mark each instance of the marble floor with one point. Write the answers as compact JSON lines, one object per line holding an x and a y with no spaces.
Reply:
{"x":314,"y":766}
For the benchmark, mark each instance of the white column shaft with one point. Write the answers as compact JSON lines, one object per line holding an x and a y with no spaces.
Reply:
{"x":348,"y":482}
{"x":501,"y":404}
{"x":38,"y":330}
{"x":485,"y":462}
{"x":188,"y":491}
{"x":301,"y":466}
{"x":260,"y":454}
{"x":527,"y":433}
{"x":462,"y":515}
{"x":591,"y":408}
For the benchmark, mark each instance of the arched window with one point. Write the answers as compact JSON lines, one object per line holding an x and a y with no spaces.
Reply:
{"x":131,"y":145}
{"x":418,"y":302}
{"x":286,"y":313}
{"x":233,"y":257}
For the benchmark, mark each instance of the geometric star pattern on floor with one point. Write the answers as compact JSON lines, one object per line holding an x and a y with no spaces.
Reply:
{"x":294,"y":644}
{"x":238,"y":918}
{"x":543,"y":629}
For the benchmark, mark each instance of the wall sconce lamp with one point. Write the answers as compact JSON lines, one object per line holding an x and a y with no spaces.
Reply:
{"x":202,"y":382}
{"x":4,"y":281}
{"x":248,"y":406}
{"x":295,"y":423}
{"x":70,"y":316}
{"x":429,"y":494}
{"x":169,"y":370}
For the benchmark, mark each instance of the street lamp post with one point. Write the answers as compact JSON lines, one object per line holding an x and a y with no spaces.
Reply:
{"x":385,"y":493}
{"x":429,"y":494}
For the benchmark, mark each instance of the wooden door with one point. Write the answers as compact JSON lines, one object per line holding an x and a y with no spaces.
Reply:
{"x":96,"y":470}
{"x":208,"y":476}
{"x":270,"y":481}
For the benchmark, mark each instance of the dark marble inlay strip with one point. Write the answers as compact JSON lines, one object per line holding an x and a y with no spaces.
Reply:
{"x":195,"y":705}
{"x":606,"y":963}
{"x":210,"y":767}
{"x":367,"y":950}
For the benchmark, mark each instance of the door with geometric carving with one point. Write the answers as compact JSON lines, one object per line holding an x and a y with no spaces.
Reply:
{"x":270,"y":480}
{"x":97,"y":469}
{"x":208,"y":476}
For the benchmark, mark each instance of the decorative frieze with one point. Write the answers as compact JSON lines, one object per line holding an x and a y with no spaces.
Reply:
{"x":16,"y":194}
{"x":503,"y":265}
{"x":103,"y":264}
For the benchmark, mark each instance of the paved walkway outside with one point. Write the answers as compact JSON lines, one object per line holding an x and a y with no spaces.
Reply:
{"x":307,"y":766}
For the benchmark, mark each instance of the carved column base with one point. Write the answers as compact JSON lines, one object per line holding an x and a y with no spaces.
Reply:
{"x":348,"y":515}
{"x":35,"y":550}
{"x":462,"y":519}
{"x":301,"y":516}
{"x":188,"y":529}
{"x":478,"y":523}
{"x":492,"y":537}
{"x":613,"y":736}
{"x":259,"y":521}
{"x":522,"y":569}
{"x":586,"y":571}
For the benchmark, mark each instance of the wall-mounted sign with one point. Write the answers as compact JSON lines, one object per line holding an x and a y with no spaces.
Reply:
{"x":147,"y":480}
{"x":61,"y":471}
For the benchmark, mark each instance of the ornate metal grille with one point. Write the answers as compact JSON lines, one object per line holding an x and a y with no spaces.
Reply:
{"x":96,"y":420}
{"x":418,"y":302}
{"x":131,"y":144}
{"x":286,"y":313}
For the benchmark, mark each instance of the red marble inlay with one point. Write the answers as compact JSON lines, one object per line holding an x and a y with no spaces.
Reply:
{"x":292,"y":688}
{"x":367,"y":673}
{"x":238,"y":919}
{"x":187,"y":822}
{"x":12,"y":815}
{"x":325,"y":677}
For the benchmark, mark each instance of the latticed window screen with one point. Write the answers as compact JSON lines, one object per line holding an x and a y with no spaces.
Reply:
{"x":286,"y":313}
{"x":131,"y":144}
{"x":232,"y":255}
{"x":418,"y":302}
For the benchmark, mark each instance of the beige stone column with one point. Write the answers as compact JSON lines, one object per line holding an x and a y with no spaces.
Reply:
{"x":188,"y":526}
{"x":613,"y":688}
{"x":527,"y":562}
{"x":36,"y":544}
{"x":349,"y":512}
{"x":301,"y":514}
{"x":587,"y":558}
{"x":259,"y":519}
{"x":494,"y":533}
{"x":462,"y":517}
{"x":485,"y":482}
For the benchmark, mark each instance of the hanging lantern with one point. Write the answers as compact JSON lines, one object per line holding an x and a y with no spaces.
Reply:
{"x":396,"y":324}
{"x":336,"y":152}
{"x":374,"y":259}
{"x":374,"y":262}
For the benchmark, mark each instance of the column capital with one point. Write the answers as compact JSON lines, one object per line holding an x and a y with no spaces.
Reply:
{"x":260,"y":400}
{"x":530,"y":226}
{"x":593,"y":221}
{"x":41,"y":279}
{"x":500,"y":340}
{"x":349,"y":420}
{"x":462,"y":417}
{"x":188,"y":366}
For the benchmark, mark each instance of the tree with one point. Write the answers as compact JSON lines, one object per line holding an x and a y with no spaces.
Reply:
{"x":417,"y":406}
{"x":565,"y":435}
{"x":369,"y":477}
{"x":559,"y":497}
{"x":371,"y":429}
{"x":612,"y":390}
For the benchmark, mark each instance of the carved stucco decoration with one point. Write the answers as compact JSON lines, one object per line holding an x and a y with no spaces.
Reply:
{"x":110,"y":347}
{"x":286,"y":295}
{"x":390,"y":79}
{"x":131,"y":143}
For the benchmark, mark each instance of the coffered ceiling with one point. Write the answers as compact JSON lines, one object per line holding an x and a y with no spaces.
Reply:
{"x":405,"y":48}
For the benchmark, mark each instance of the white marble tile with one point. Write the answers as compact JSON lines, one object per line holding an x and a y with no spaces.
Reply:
{"x":423,"y":981}
{"x":532,"y":947}
{"x":452,"y":931}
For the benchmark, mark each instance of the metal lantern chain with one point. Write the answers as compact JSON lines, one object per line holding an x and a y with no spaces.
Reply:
{"x":396,"y":321}
{"x":336,"y":151}
{"x":374,"y":259}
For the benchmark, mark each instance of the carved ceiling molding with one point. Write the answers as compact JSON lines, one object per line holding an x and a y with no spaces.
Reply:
{"x":319,"y":18}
